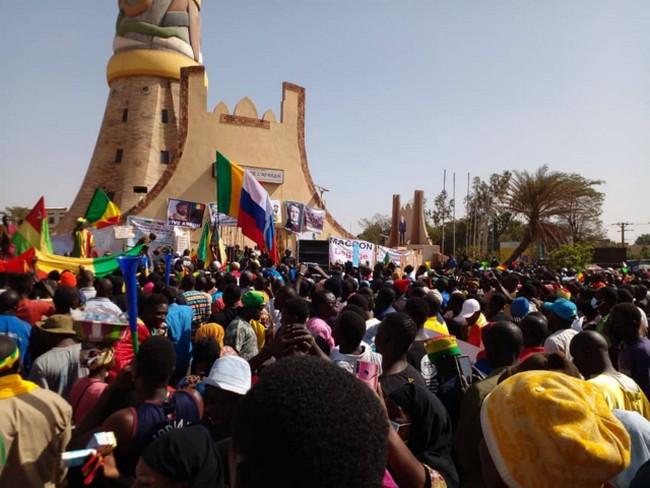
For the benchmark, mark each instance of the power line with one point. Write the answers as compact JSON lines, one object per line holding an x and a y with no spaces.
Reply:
{"x":623,"y":226}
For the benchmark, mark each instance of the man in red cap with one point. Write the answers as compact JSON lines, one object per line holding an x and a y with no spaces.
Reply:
{"x":400,"y":287}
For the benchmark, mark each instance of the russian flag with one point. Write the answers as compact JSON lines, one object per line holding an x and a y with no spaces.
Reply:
{"x":256,"y":214}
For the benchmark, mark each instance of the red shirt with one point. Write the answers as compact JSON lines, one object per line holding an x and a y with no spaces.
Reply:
{"x":32,"y":311}
{"x":124,"y":350}
{"x":529,"y":351}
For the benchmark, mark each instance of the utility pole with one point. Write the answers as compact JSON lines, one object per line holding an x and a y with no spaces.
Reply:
{"x":623,"y":226}
{"x":467,"y":223}
{"x":444,"y":205}
{"x":453,"y":228}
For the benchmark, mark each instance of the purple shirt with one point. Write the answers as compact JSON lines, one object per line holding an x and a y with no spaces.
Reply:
{"x":634,"y":361}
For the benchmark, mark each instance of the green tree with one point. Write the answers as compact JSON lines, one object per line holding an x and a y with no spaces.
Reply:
{"x":582,"y":218}
{"x":441,"y":213}
{"x":488,"y":219}
{"x":643,"y":240}
{"x":17,"y":214}
{"x":375,"y":229}
{"x":577,"y":255}
{"x":541,"y":199}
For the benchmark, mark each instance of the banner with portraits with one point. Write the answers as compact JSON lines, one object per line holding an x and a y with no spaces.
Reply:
{"x":277,"y":211}
{"x":294,"y":212}
{"x":219,"y":218}
{"x":343,"y":250}
{"x":183,"y":213}
{"x":314,"y":219}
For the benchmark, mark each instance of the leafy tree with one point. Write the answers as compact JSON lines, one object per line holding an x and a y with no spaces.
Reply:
{"x":488,"y":219}
{"x":576,"y":255}
{"x":17,"y":214}
{"x":643,"y":240}
{"x":541,"y":199}
{"x":582,"y":218}
{"x":375,"y":229}
{"x":441,"y":212}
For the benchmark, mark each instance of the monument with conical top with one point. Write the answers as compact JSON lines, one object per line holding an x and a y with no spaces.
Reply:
{"x":158,"y":140}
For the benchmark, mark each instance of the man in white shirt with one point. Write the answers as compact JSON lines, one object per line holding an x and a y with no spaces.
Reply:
{"x":563,"y":313}
{"x":102,"y":303}
{"x":348,"y":334}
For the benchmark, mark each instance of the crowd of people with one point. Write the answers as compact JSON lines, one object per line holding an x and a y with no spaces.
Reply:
{"x":252,"y":374}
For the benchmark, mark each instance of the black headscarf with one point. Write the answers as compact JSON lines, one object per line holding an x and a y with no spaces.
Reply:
{"x":187,"y":454}
{"x":430,"y":435}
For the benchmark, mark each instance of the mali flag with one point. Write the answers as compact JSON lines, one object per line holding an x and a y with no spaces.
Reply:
{"x":47,"y":262}
{"x":209,"y":243}
{"x":101,"y":211}
{"x":240,"y":195}
{"x":230,"y":180}
{"x":33,"y":231}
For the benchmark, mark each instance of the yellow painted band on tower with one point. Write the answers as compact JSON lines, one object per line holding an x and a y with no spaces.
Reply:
{"x":147,"y":62}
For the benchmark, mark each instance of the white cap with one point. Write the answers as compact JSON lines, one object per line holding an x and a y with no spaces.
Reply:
{"x":470,"y":307}
{"x":230,"y":373}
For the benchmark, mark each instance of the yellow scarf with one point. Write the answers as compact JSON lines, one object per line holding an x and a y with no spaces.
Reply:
{"x":13,"y":385}
{"x":260,"y":332}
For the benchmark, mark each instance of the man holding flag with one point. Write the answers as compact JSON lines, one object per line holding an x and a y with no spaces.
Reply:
{"x":102,"y":212}
{"x":83,"y":240}
{"x":5,"y":238}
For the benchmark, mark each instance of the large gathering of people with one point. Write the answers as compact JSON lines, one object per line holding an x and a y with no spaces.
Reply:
{"x":254,"y":373}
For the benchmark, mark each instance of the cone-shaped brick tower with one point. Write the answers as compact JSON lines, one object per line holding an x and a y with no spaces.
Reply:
{"x":158,"y":140}
{"x":139,"y":133}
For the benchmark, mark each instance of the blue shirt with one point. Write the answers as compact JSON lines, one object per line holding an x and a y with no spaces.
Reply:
{"x":18,"y":330}
{"x":179,"y":323}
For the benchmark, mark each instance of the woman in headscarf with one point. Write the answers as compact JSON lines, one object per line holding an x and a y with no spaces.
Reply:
{"x":184,"y":457}
{"x":423,"y":424}
{"x":211,"y":329}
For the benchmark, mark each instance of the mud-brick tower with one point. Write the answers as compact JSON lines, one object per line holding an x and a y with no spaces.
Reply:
{"x":158,"y":139}
{"x":154,"y":39}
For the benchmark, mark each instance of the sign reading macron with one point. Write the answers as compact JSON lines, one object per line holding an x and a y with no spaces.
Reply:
{"x":342,"y":250}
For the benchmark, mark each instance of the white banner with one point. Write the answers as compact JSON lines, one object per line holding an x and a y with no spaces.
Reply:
{"x":123,"y":232}
{"x":342,"y":250}
{"x":143,"y":227}
{"x":395,"y":255}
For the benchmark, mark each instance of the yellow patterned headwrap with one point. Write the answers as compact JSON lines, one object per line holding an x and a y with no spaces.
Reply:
{"x":547,"y":429}
{"x":9,"y":362}
{"x":210,"y":330}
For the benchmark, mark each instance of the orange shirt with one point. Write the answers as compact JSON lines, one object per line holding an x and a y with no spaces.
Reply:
{"x":32,"y":311}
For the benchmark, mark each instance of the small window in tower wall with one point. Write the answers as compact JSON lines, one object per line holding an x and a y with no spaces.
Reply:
{"x":118,"y":155}
{"x":125,"y":115}
{"x":164,"y":157}
{"x":110,"y":195}
{"x":165,"y":116}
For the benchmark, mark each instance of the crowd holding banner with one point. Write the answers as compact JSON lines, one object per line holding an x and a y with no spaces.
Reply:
{"x":362,"y":252}
{"x":446,"y":350}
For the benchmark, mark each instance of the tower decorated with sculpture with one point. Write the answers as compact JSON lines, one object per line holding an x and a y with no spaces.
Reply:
{"x":158,"y":140}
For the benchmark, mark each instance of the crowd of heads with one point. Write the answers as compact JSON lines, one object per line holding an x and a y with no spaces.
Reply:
{"x":249,"y":373}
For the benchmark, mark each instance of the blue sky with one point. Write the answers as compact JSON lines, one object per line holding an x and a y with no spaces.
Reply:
{"x":397,"y":91}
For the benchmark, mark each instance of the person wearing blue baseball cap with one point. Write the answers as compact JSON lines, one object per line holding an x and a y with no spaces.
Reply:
{"x":563,"y":313}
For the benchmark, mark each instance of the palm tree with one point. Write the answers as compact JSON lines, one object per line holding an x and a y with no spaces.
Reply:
{"x":542,"y":198}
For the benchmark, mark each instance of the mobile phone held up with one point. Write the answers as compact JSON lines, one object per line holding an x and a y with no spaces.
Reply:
{"x":464,"y":368}
{"x":368,"y":372}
